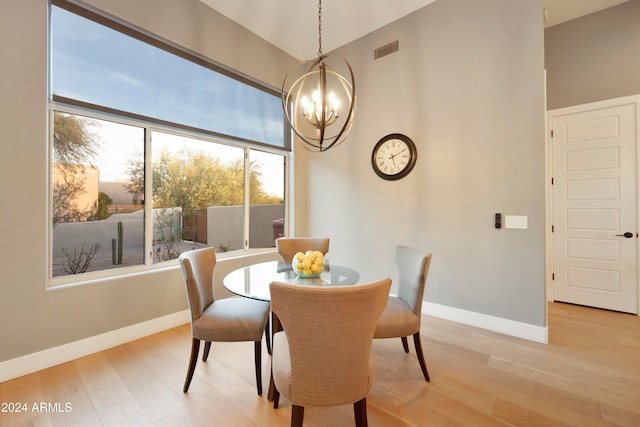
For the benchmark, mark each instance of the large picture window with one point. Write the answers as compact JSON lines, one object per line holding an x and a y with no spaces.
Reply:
{"x":143,"y":165}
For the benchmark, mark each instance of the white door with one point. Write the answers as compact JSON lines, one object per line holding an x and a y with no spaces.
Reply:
{"x":595,"y":232}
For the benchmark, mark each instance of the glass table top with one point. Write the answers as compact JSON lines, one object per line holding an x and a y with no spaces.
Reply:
{"x":253,"y":281}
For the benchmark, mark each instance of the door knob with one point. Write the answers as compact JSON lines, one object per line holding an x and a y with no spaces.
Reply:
{"x":628,"y":235}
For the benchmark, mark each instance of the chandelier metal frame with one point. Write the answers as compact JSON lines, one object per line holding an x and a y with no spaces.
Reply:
{"x":310,"y":119}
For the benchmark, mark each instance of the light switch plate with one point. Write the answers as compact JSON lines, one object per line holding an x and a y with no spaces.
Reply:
{"x":516,"y":221}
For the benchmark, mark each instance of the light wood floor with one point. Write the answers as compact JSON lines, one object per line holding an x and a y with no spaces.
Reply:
{"x":588,"y":375}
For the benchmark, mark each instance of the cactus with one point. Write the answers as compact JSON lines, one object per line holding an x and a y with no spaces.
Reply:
{"x":116,"y":246}
{"x":120,"y":233}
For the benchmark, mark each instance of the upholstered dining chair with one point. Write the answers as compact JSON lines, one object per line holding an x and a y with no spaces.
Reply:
{"x":323,"y":355}
{"x":223,"y":320}
{"x":402,"y":315}
{"x":288,"y":246}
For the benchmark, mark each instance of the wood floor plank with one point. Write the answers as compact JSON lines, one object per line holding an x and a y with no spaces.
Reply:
{"x":242,"y":395}
{"x":517,"y":416}
{"x":125,"y":413}
{"x":543,"y":399}
{"x":167,"y":354}
{"x":19,"y":397}
{"x":578,"y":379}
{"x":182,"y":418}
{"x":153,"y":395}
{"x":620,"y":416}
{"x":103,"y":384}
{"x":62,"y":384}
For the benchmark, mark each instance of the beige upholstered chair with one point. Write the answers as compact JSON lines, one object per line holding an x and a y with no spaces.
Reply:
{"x":289,"y":246}
{"x":323,"y":356}
{"x":401,"y":317}
{"x":224,"y":320}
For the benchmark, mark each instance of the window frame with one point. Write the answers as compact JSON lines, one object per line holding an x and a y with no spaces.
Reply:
{"x":149,"y":125}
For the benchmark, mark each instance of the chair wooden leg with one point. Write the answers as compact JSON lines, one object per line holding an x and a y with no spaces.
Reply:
{"x":275,"y":327}
{"x":258,"y":363}
{"x":272,"y":388}
{"x":360,"y":412}
{"x":297,"y":415}
{"x":420,"y":354}
{"x":195,"y":348}
{"x":205,"y":353}
{"x":276,"y":398}
{"x":275,"y":324}
{"x":267,"y":337}
{"x":405,"y":344}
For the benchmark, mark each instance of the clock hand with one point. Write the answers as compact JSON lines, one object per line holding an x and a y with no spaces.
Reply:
{"x":393,"y":156}
{"x":397,"y":154}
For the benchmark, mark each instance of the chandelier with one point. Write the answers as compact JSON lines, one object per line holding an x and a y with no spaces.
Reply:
{"x":318,"y":101}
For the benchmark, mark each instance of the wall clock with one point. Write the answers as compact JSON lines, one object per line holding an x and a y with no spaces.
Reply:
{"x":394,"y":156}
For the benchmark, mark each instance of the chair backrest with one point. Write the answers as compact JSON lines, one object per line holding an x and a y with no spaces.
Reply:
{"x":330,"y":332}
{"x":288,"y":246}
{"x":197,"y":271}
{"x":413,"y":265}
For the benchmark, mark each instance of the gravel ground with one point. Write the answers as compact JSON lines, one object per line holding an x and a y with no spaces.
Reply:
{"x":103,"y":260}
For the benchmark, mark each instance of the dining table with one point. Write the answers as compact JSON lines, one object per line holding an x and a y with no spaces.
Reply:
{"x":253,"y":281}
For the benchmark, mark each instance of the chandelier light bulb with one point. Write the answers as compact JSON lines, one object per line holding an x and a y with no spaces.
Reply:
{"x":312,"y":111}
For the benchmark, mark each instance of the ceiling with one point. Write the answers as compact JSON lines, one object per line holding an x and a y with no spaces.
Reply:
{"x":291,"y":25}
{"x":559,"y":11}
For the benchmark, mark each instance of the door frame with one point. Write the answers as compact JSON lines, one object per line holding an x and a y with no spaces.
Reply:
{"x":632,"y":99}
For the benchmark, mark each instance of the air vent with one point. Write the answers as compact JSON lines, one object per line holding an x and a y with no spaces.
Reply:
{"x":385,"y":50}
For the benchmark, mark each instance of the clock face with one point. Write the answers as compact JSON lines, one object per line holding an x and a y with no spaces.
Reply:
{"x":393,"y":156}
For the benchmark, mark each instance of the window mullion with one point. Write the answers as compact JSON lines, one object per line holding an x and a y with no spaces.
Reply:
{"x":247,"y":196}
{"x":148,"y":198}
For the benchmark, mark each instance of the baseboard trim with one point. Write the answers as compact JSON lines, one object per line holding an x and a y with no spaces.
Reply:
{"x":34,"y":362}
{"x":497,"y":324}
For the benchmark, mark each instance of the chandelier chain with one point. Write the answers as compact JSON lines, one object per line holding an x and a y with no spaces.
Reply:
{"x":319,"y":28}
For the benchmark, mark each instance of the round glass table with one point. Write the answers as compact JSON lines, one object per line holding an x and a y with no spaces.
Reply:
{"x":253,"y":281}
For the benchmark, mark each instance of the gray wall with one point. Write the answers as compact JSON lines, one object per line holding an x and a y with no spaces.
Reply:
{"x":32,"y":317}
{"x":594,"y":58}
{"x":467,"y":86}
